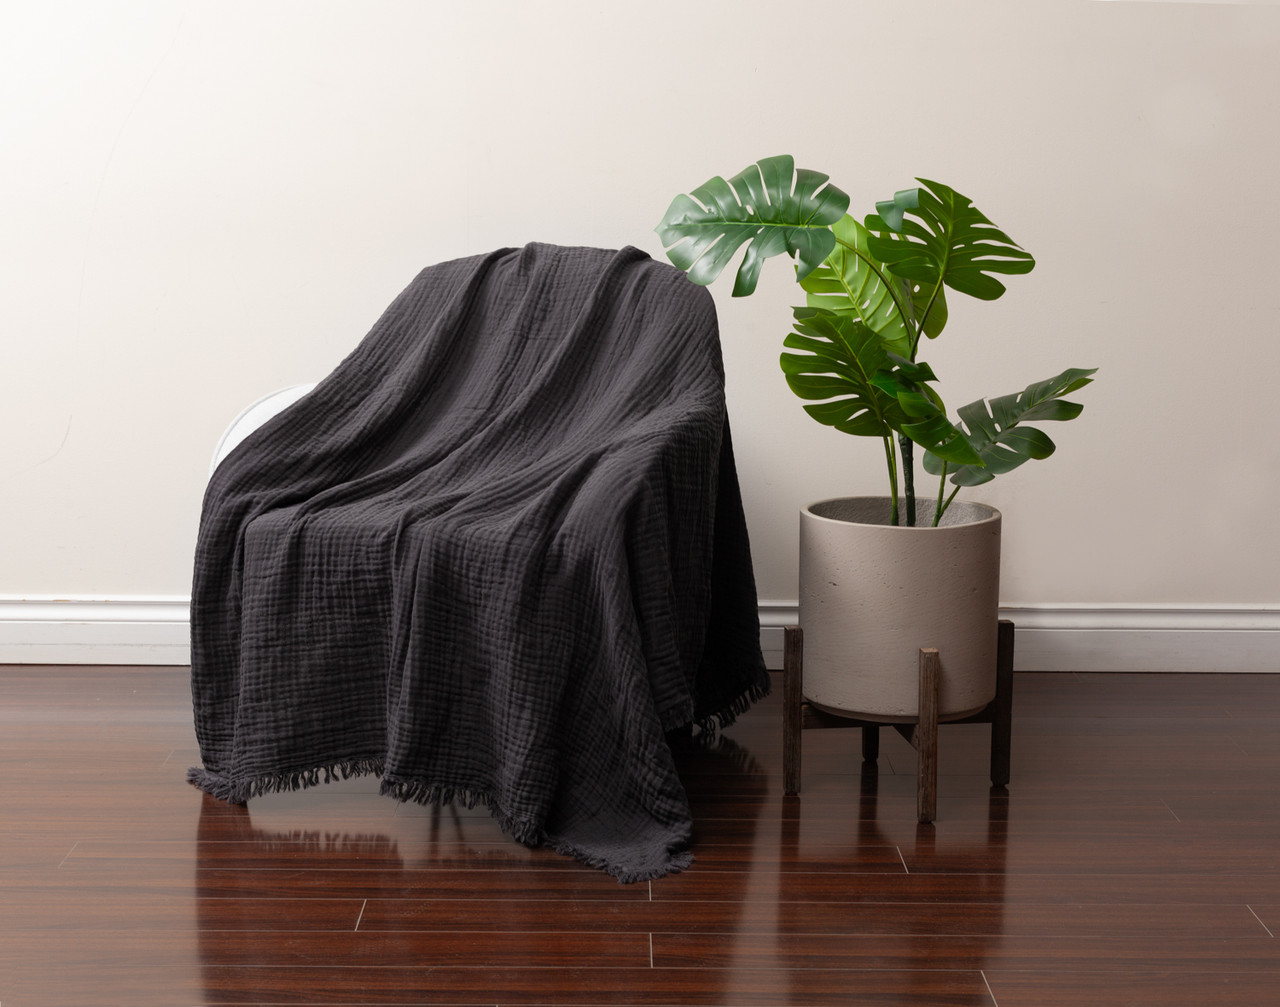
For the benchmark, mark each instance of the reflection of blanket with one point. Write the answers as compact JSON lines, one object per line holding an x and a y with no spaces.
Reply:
{"x":494,"y":557}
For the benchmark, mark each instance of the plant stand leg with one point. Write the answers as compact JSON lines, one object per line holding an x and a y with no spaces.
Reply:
{"x":1002,"y":707}
{"x":926,"y":737}
{"x":792,"y":703}
{"x":870,"y":744}
{"x":798,"y":716}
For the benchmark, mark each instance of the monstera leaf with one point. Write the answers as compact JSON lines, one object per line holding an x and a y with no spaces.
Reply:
{"x":853,"y":282}
{"x":952,"y":244}
{"x":928,"y":426}
{"x":771,"y":205}
{"x":839,"y":359}
{"x":999,"y":435}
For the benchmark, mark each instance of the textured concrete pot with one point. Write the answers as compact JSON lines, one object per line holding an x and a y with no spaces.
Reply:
{"x":872,"y":594}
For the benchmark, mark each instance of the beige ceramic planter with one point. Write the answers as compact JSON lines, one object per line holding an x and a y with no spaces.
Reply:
{"x":872,"y":594}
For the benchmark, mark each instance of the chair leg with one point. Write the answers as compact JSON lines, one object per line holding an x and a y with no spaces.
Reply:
{"x":792,"y":700}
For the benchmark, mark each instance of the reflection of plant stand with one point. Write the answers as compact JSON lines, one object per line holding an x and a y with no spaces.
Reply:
{"x":799,"y":715}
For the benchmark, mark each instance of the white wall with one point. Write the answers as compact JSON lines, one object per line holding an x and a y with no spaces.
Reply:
{"x":208,"y":200}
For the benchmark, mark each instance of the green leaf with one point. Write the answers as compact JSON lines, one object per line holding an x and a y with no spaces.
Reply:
{"x":916,"y":372}
{"x":999,"y":433}
{"x":852,"y":282}
{"x":931,"y":303}
{"x":929,"y":426}
{"x":891,"y":210}
{"x":770,"y":205}
{"x":837,"y":360}
{"x":942,"y":439}
{"x":952,"y":243}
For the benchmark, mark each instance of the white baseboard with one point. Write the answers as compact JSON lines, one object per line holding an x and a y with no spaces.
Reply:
{"x":155,"y":631}
{"x":1079,"y":638}
{"x":81,"y":630}
{"x":1146,"y":639}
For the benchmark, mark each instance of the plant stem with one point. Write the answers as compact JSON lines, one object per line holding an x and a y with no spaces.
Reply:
{"x":893,"y":479}
{"x":908,"y":477}
{"x":944,"y":507}
{"x":904,"y":442}
{"x":942,"y":485}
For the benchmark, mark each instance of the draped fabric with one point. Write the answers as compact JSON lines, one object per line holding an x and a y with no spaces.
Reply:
{"x":497,"y":556}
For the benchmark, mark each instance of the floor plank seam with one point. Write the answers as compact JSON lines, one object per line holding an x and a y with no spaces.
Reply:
{"x":986,"y":982}
{"x":69,"y":853}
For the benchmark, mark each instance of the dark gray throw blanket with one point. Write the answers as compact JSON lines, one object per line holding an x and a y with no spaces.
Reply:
{"x":495,"y":556}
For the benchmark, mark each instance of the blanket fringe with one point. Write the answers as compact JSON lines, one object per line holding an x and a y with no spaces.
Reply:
{"x":521,"y":830}
{"x":242,"y":791}
{"x":719,"y":719}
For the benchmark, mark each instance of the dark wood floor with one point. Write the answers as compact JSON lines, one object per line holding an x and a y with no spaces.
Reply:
{"x":1135,"y":859}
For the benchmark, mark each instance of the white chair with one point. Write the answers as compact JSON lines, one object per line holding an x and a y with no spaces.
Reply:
{"x":253,"y":416}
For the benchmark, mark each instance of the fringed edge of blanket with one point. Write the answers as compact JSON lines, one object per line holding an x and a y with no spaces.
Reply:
{"x":242,"y":791}
{"x":519,"y":829}
{"x":527,"y":832}
{"x":719,"y":719}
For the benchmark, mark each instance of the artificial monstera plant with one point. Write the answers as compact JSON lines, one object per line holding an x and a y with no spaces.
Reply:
{"x":874,"y":290}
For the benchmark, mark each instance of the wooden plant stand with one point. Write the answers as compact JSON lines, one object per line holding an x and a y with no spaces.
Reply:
{"x":798,"y":716}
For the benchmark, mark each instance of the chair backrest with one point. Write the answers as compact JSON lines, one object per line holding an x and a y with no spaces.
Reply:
{"x":253,"y":416}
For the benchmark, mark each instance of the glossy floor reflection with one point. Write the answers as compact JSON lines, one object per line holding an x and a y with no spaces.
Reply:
{"x":1132,"y":860}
